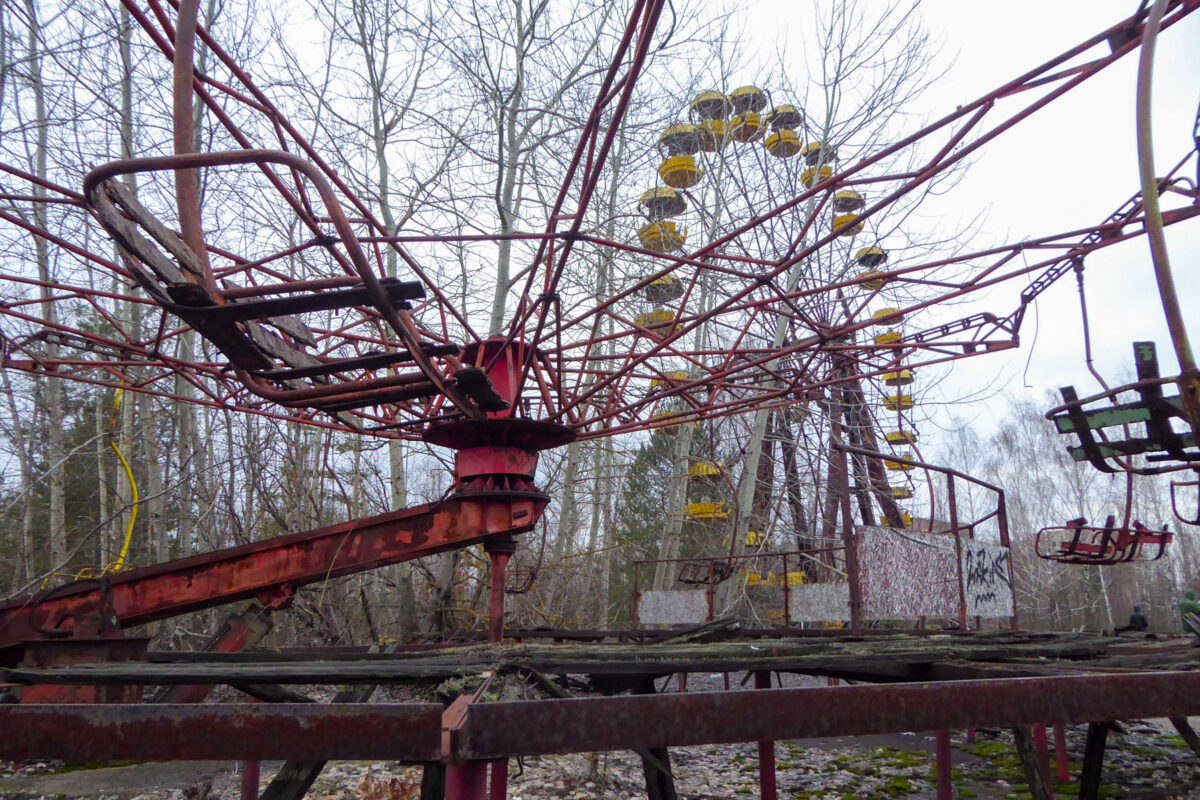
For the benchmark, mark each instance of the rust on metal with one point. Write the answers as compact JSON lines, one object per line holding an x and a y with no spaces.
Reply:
{"x":261,"y":732}
{"x":498,"y":730}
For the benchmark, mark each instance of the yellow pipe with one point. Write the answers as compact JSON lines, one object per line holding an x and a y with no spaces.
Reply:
{"x":120,"y":562}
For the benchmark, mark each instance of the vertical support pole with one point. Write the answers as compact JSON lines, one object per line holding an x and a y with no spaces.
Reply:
{"x":433,"y":781}
{"x":500,"y":552}
{"x":787,"y":595}
{"x":498,"y":784}
{"x":766,"y":747}
{"x":952,"y":501}
{"x":637,"y":597}
{"x":1042,"y":747}
{"x":466,"y":781}
{"x":656,"y":761}
{"x":250,"y":775}
{"x":945,"y":788}
{"x":970,"y":735}
{"x":851,"y":545}
{"x":1060,"y":753}
{"x":1093,"y":761}
{"x":251,"y":770}
{"x":726,"y":681}
{"x":682,"y":680}
{"x":712,"y":589}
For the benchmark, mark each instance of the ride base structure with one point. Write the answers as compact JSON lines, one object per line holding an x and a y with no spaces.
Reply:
{"x":400,"y":370}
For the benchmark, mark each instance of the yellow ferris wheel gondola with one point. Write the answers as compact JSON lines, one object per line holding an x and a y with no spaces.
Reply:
{"x":898,"y":402}
{"x":664,"y":289}
{"x":748,"y":127}
{"x":899,"y":466}
{"x":680,"y":172}
{"x":668,"y":412}
{"x":900,"y":437}
{"x":712,"y":134}
{"x":871,"y":256}
{"x":662,"y":202}
{"x":900,"y":492}
{"x":747,"y":124}
{"x":847,"y":200}
{"x":900,"y":377}
{"x":874,"y":280}
{"x":706,"y":511}
{"x":887,"y":316}
{"x":711,"y":105}
{"x":847,"y":225}
{"x":814,"y":175}
{"x":819,"y":153}
{"x":679,"y":140}
{"x":747,"y":98}
{"x":662,"y":236}
{"x":783,"y":143}
{"x":888,"y":337}
{"x":785,"y":117}
{"x":702,"y":469}
{"x":671,"y":378}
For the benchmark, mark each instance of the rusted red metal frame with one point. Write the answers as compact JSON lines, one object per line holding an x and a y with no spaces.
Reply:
{"x":399,"y":320}
{"x":563,"y":726}
{"x":1111,"y":232}
{"x":975,"y":109}
{"x":489,"y":731}
{"x":211,"y":579}
{"x":555,"y":381}
{"x":285,"y":132}
{"x":921,"y":339}
{"x":410,"y":732}
{"x":643,"y":19}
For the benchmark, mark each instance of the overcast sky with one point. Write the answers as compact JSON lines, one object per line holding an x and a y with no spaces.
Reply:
{"x":1069,"y":166}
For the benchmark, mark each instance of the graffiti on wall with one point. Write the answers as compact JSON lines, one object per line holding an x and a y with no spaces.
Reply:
{"x":986,"y":579}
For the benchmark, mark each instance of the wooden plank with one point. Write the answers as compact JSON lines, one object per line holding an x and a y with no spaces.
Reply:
{"x":1129,"y":447}
{"x":1093,"y":760}
{"x":793,"y":655}
{"x":295,"y":778}
{"x":1037,"y":779}
{"x":328,"y":300}
{"x":1125,"y":414}
{"x":1185,"y":730}
{"x":170,"y":241}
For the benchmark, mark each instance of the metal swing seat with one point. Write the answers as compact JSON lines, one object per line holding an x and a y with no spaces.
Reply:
{"x":1095,"y":420}
{"x":1079,"y":543}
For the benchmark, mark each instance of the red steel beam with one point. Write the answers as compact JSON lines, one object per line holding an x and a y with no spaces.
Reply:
{"x":498,"y":730}
{"x":412,"y":732}
{"x":224,"y":576}
{"x":259,"y":732}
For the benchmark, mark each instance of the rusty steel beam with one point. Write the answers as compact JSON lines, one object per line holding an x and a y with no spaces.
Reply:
{"x":498,"y":730}
{"x":224,"y":576}
{"x":258,"y":732}
{"x":413,"y":732}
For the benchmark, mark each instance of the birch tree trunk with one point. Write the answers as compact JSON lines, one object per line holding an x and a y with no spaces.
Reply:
{"x":52,"y":391}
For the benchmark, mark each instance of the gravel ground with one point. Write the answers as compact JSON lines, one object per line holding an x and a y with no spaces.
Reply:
{"x":1145,"y":761}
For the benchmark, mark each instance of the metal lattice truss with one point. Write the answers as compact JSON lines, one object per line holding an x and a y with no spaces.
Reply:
{"x":310,"y":327}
